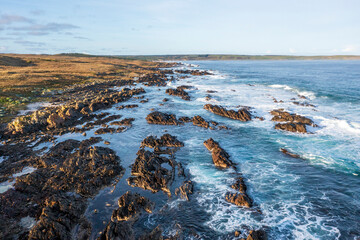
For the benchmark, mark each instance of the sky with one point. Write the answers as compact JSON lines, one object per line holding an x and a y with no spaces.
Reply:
{"x":141,"y":27}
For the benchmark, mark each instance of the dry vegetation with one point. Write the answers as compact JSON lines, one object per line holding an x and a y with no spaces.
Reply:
{"x":32,"y":78}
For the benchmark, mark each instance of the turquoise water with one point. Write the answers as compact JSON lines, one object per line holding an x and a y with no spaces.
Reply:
{"x":314,"y":197}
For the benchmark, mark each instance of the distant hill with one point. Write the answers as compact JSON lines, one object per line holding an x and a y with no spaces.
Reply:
{"x":237,"y":57}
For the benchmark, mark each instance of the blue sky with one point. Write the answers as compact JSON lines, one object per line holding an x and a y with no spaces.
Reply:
{"x":292,"y":27}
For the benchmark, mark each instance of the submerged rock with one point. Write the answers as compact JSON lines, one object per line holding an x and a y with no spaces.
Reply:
{"x":124,"y":122}
{"x":220,"y":156}
{"x":241,"y":115}
{"x":286,"y":152}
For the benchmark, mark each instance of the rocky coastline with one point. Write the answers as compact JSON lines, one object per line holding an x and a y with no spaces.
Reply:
{"x":55,"y":195}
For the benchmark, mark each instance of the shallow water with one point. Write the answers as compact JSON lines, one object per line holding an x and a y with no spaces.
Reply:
{"x":315,"y":197}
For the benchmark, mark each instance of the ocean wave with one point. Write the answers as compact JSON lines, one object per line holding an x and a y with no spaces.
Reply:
{"x":308,"y":94}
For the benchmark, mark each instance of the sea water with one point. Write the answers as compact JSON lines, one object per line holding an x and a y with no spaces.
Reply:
{"x":316,"y":196}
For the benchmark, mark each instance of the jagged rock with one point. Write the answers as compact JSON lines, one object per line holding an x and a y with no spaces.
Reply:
{"x":165,"y":140}
{"x":124,"y":122}
{"x":104,"y":131}
{"x":59,"y":215}
{"x":239,"y":199}
{"x":220,"y":156}
{"x":131,"y":205}
{"x":199,"y":121}
{"x":185,"y":119}
{"x":304,"y":104}
{"x":148,"y":172}
{"x":194,"y":72}
{"x":293,"y":122}
{"x":178,"y":92}
{"x":241,"y":114}
{"x":239,"y":185}
{"x":291,"y":127}
{"x":128,"y":106}
{"x":286,"y":152}
{"x":162,"y":119}
{"x":256,"y":235}
{"x":185,"y":190}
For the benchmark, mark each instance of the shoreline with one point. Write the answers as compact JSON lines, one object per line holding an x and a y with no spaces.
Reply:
{"x":62,"y":144}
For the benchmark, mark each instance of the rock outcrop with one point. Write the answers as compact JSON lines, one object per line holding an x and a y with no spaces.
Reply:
{"x":162,"y":119}
{"x":293,"y":122}
{"x":131,"y":205}
{"x":241,"y":114}
{"x":178,"y":92}
{"x":219,"y":156}
{"x":185,"y":190}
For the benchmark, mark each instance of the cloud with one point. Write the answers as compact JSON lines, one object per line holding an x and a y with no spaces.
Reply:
{"x":44,"y":29}
{"x":30,"y":43}
{"x":9,"y":19}
{"x":37,"y":12}
{"x":350,"y":49}
{"x":3,"y":48}
{"x":291,"y":50}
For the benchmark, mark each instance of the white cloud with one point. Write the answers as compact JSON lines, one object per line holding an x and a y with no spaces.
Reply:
{"x":2,"y":48}
{"x":350,"y":49}
{"x":292,"y":50}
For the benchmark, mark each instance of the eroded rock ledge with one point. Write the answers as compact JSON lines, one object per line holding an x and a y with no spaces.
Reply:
{"x":219,"y":156}
{"x":179,"y":91}
{"x":241,"y":115}
{"x":293,"y":122}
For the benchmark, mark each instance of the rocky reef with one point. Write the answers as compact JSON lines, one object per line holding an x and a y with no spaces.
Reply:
{"x":241,"y":114}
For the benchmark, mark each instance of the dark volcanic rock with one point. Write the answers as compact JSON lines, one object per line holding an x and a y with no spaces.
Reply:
{"x":239,"y":199}
{"x":241,"y":114}
{"x":178,"y":92}
{"x":185,"y":190}
{"x":162,"y":119}
{"x":193,"y":72}
{"x":131,"y":205}
{"x":220,"y":156}
{"x":148,"y":172}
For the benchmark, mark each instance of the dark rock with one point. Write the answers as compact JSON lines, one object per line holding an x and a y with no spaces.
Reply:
{"x":220,"y":156}
{"x":124,"y":122}
{"x":239,"y":199}
{"x":131,"y":205}
{"x":162,"y":119}
{"x":286,"y":152}
{"x":239,"y":185}
{"x":256,"y":235}
{"x":104,"y":131}
{"x":128,"y":106}
{"x":185,"y":119}
{"x":178,"y":92}
{"x":164,"y":141}
{"x":241,"y":114}
{"x":185,"y":190}
{"x":199,"y":121}
{"x":148,"y":172}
